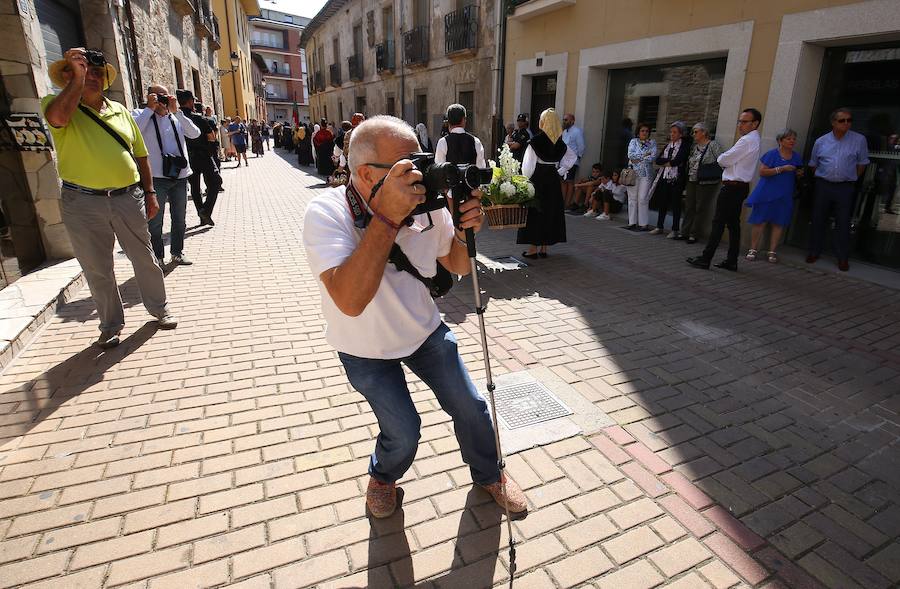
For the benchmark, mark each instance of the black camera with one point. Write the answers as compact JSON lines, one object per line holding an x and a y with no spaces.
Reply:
{"x":163,"y":99}
{"x":459,"y":179}
{"x":95,"y":58}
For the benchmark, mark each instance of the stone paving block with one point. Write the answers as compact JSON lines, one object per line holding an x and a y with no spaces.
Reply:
{"x":148,"y":565}
{"x":718,"y":575}
{"x":192,"y":530}
{"x":111,"y":550}
{"x":20,"y":548}
{"x":632,"y":544}
{"x":267,"y":558}
{"x":593,"y":502}
{"x":587,"y":532}
{"x":206,"y":575}
{"x":230,"y":543}
{"x":24,"y":571}
{"x":580,"y":567}
{"x":735,"y":557}
{"x":680,"y":557}
{"x":86,"y":579}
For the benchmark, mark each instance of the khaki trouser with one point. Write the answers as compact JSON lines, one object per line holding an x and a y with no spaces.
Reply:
{"x":93,"y":223}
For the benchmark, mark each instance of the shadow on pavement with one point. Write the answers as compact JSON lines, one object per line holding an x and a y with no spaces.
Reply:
{"x":775,"y":390}
{"x":49,"y":390}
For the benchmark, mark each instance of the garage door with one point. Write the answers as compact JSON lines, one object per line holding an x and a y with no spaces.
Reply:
{"x":60,"y":26}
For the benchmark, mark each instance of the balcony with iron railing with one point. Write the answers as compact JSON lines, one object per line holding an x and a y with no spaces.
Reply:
{"x":183,"y":7}
{"x":334,"y":74}
{"x":461,"y":30}
{"x":355,"y":67}
{"x":215,"y":40}
{"x":204,"y":19}
{"x":415,"y":46}
{"x":262,"y":43}
{"x":385,"y":56}
{"x":280,"y":69}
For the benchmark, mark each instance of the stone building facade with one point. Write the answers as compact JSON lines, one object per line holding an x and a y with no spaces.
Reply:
{"x":235,"y":60}
{"x":410,"y":58}
{"x":275,"y":37}
{"x":146,"y":40}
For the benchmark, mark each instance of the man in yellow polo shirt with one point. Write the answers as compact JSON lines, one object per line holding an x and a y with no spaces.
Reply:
{"x":107,"y":190}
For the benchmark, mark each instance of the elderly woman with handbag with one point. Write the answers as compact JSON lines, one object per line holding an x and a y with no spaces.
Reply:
{"x":703,"y":177}
{"x":641,"y":154}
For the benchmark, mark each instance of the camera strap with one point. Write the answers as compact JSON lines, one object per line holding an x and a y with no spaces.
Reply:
{"x":106,"y":128}
{"x":438,"y":285}
{"x":159,"y":137}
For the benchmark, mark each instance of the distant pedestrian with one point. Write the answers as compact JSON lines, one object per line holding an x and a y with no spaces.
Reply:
{"x":237,"y":130}
{"x":773,"y":198}
{"x":574,"y":138}
{"x":739,"y":167}
{"x":227,"y":147}
{"x":256,"y":142}
{"x":266,"y":133}
{"x":424,"y":140}
{"x":673,"y":160}
{"x":641,"y":154}
{"x":323,"y":142}
{"x":202,"y":164}
{"x":165,"y":129}
{"x":304,"y":146}
{"x":703,"y":177}
{"x":547,"y":159}
{"x":107,"y":188}
{"x":520,"y":138}
{"x":837,"y":161}
{"x":459,"y":146}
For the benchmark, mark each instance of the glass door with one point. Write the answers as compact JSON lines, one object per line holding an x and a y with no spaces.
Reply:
{"x":865,"y":79}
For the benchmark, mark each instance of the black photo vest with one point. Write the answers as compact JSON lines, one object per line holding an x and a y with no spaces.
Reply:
{"x":461,"y":148}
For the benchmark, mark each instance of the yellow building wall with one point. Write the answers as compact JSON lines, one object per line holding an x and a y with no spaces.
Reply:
{"x":593,"y":23}
{"x":238,"y":96}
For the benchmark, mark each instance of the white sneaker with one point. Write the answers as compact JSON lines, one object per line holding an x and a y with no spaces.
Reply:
{"x":181,"y":261}
{"x":671,"y":235}
{"x":655,"y":231}
{"x":167,"y":321}
{"x":588,"y":214}
{"x":603,"y":217}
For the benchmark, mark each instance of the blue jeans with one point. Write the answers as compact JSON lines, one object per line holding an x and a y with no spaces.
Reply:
{"x":173,"y":192}
{"x":438,"y":364}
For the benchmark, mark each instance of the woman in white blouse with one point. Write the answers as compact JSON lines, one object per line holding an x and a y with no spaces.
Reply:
{"x":641,"y":153}
{"x":546,"y":160}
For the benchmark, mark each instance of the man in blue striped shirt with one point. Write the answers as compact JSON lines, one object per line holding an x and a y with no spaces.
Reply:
{"x":838,"y":159}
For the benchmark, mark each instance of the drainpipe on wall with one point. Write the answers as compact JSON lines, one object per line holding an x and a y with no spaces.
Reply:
{"x":134,"y":51}
{"x":496,"y":134}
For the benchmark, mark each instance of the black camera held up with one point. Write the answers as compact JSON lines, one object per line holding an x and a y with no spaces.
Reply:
{"x":95,"y":58}
{"x":459,"y":179}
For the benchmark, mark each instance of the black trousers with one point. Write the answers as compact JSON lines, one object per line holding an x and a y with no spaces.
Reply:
{"x":204,"y":165}
{"x":669,"y":198}
{"x":840,"y":196}
{"x":728,"y":214}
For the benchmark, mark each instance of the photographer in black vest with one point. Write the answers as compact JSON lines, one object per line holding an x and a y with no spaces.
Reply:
{"x":201,"y":159}
{"x":459,"y":147}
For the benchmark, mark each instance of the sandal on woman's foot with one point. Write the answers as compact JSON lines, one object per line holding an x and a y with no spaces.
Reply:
{"x":772,"y":258}
{"x":533,"y":256}
{"x":751,"y":255}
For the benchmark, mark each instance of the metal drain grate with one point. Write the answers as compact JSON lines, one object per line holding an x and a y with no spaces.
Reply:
{"x":528,"y":403}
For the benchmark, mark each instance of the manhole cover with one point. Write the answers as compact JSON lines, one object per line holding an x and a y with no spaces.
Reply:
{"x":528,"y":403}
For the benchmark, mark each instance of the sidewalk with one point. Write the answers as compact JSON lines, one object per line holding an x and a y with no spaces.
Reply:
{"x":756,"y":445}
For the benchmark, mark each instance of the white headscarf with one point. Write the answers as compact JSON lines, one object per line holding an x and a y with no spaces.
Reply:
{"x":422,"y":132}
{"x":316,"y":128}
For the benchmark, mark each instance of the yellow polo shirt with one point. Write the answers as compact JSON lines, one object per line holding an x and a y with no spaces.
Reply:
{"x":88,"y":156}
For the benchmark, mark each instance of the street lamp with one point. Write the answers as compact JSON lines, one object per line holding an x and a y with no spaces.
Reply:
{"x":235,"y":61}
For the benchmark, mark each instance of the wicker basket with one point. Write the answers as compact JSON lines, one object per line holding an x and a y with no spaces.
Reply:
{"x":506,"y":216}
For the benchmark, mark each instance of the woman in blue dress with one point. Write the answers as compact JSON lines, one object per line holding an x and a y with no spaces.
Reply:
{"x":772,"y":200}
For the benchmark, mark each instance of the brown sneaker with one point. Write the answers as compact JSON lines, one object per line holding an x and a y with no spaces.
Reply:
{"x":381,"y":498}
{"x":507,"y":494}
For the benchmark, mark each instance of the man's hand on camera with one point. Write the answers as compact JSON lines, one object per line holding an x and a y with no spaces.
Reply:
{"x":470,"y":214}
{"x":400,"y":193}
{"x":152,"y":102}
{"x":77,"y":63}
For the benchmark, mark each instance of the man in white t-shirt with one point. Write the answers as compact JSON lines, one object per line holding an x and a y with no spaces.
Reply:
{"x":381,"y":318}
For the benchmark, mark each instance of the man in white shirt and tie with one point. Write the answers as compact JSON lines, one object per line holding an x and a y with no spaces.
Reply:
{"x":739,"y":166}
{"x":164,"y":127}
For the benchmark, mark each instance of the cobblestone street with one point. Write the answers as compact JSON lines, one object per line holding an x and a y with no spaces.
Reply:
{"x":757,"y":441}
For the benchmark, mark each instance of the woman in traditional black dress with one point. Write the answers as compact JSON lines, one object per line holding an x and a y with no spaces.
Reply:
{"x":323,"y":141}
{"x":546,"y":160}
{"x":304,"y":146}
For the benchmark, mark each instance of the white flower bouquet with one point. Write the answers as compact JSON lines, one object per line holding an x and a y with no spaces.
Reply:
{"x":508,"y":196}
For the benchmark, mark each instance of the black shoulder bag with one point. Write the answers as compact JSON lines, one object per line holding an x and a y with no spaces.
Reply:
{"x":171,"y":164}
{"x":708,"y":172}
{"x":438,"y":285}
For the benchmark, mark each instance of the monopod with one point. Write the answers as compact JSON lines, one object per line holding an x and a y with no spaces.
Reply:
{"x":461,"y":193}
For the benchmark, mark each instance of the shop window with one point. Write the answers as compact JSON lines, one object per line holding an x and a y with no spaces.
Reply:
{"x":660,"y":94}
